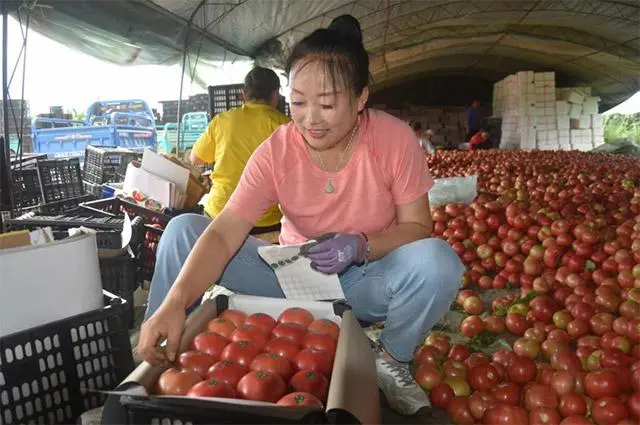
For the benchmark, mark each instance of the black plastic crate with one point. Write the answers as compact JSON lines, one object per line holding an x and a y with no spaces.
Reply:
{"x":64,"y":206}
{"x":119,"y":276}
{"x":60,"y":179}
{"x":115,"y":207}
{"x":107,"y":165}
{"x":26,"y":187}
{"x":94,"y":189}
{"x":108,"y":235}
{"x":48,"y":374}
{"x":223,"y":98}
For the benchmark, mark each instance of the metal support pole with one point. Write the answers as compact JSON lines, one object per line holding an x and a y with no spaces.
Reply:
{"x":6,"y":194}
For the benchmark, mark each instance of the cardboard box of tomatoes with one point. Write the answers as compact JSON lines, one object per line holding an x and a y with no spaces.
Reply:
{"x":246,"y":359}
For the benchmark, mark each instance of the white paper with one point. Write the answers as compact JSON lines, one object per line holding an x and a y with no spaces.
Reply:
{"x":151,"y":185}
{"x":168,"y":170}
{"x":43,"y":283}
{"x":297,"y":279}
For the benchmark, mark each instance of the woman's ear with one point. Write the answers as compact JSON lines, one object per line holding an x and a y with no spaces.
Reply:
{"x":362,"y":99}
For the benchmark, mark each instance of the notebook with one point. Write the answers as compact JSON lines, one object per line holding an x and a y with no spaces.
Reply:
{"x":296,"y":277}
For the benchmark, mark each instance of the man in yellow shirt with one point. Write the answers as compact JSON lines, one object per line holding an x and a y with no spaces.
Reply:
{"x":232,"y":136}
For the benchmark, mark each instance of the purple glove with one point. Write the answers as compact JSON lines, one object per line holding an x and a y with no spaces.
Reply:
{"x":335,"y":252}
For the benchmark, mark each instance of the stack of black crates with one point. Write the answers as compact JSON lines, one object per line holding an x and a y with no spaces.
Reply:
{"x":105,"y":165}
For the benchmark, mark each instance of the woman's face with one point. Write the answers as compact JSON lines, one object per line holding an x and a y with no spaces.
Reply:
{"x":323,"y":112}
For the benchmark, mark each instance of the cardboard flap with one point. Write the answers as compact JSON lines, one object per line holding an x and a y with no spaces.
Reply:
{"x":353,"y":381}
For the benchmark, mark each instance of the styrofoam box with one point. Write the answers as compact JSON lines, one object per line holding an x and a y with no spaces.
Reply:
{"x":596,"y":120}
{"x":575,"y":111}
{"x":550,"y":112}
{"x":564,"y":123}
{"x":575,"y":97}
{"x":585,"y":121}
{"x":562,"y":108}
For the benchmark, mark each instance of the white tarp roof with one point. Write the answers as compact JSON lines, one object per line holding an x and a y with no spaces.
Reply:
{"x":594,"y":42}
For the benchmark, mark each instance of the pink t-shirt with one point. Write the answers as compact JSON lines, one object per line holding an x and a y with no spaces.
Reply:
{"x":386,"y":169}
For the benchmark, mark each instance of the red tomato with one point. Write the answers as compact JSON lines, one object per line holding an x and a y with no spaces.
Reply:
{"x":261,"y":386}
{"x":261,"y":320}
{"x":459,"y":352}
{"x":572,"y":404}
{"x":297,"y":315}
{"x":210,"y":343}
{"x":427,"y":376}
{"x":254,"y":334}
{"x":284,"y":347}
{"x":426,"y":354}
{"x":290,"y":331}
{"x":242,"y":352}
{"x":538,"y":395}
{"x":479,"y":402}
{"x":212,"y":388}
{"x":441,"y":395}
{"x":507,"y":392}
{"x":633,"y":404}
{"x":318,"y":361}
{"x":516,"y":324}
{"x":321,"y":342}
{"x":237,"y":317}
{"x":310,"y":382}
{"x":576,"y":420}
{"x":300,"y":399}
{"x":601,"y":383}
{"x":483,"y":377}
{"x":221,"y":326}
{"x":272,"y":363}
{"x":544,"y":416}
{"x":228,"y":372}
{"x":459,"y":411}
{"x":177,"y":382}
{"x":324,"y":326}
{"x":196,"y":361}
{"x":522,"y":370}
{"x":608,"y":411}
{"x":505,"y":414}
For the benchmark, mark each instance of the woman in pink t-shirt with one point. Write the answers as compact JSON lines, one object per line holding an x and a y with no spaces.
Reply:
{"x":337,"y":169}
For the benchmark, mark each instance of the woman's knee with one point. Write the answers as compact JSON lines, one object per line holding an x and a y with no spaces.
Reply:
{"x":435,"y":260}
{"x":186,"y":227}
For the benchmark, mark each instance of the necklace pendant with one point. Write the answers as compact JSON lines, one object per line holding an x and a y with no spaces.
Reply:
{"x":329,"y":187}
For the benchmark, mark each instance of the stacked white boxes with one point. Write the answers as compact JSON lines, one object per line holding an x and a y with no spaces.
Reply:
{"x":448,"y":123}
{"x":537,"y":115}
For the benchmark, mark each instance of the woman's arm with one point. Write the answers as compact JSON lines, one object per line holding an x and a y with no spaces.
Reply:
{"x":209,"y":256}
{"x":413,"y":222}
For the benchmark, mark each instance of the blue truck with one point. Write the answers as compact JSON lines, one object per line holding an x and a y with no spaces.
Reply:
{"x":119,"y":123}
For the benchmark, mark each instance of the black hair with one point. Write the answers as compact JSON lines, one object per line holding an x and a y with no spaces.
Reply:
{"x":416,"y":126}
{"x":341,"y":50}
{"x":260,"y":84}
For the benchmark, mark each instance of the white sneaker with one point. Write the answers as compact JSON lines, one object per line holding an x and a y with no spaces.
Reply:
{"x":395,"y":380}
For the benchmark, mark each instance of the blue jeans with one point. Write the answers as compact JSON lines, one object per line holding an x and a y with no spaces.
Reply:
{"x":410,"y":288}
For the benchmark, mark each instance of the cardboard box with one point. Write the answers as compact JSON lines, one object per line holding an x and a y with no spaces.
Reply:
{"x":353,"y":391}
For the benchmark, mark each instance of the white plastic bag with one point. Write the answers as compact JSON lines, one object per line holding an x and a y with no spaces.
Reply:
{"x":453,"y":190}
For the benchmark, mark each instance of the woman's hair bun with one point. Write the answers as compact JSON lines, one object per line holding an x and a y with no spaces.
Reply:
{"x":347,"y":26}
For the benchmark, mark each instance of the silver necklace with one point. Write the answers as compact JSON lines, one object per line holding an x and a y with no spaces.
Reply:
{"x":330,"y":188}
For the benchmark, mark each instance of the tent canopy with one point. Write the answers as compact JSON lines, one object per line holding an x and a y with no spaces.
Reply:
{"x":592,"y":42}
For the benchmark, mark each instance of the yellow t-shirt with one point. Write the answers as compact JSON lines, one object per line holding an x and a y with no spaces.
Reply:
{"x":229,"y":141}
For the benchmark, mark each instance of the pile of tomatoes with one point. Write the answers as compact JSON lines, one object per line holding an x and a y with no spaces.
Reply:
{"x":562,"y":230}
{"x":287,"y":361}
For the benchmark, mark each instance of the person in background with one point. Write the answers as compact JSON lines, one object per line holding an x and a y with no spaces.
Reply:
{"x":479,"y":140}
{"x":234,"y":135}
{"x":474,"y":119}
{"x":423,"y":140}
{"x":353,"y":175}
